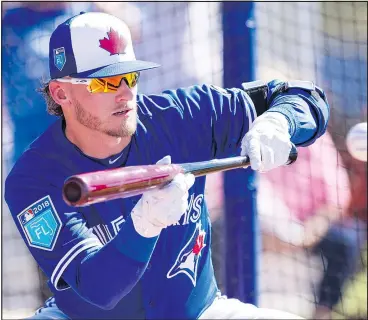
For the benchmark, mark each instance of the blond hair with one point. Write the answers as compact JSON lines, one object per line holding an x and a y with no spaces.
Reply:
{"x":52,"y":107}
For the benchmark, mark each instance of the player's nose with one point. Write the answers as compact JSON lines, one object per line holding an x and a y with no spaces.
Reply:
{"x":124,"y":93}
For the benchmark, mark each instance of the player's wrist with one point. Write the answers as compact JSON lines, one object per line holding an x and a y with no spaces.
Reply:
{"x":278,"y":119}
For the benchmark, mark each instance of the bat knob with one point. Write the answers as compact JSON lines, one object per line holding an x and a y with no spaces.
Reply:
{"x":293,"y":155}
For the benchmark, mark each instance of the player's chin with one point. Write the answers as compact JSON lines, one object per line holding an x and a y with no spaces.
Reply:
{"x":122,"y":130}
{"x":130,"y":124}
{"x":130,"y":128}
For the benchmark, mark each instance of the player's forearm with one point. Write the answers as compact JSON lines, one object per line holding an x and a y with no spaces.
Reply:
{"x":109,"y":274}
{"x":307,"y":113}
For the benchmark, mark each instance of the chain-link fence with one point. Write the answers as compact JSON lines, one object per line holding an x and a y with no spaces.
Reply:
{"x":301,"y":207}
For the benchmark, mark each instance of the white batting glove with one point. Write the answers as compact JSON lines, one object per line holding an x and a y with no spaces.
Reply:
{"x":162,"y":207}
{"x":267,"y":143}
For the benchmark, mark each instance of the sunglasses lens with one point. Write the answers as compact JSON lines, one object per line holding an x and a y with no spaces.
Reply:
{"x":112,"y":84}
{"x":131,"y":79}
{"x":96,"y":86}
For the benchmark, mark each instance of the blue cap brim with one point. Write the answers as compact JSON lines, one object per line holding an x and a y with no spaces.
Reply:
{"x":116,"y":69}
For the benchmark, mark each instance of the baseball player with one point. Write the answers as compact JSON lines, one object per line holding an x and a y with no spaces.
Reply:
{"x":146,"y":256}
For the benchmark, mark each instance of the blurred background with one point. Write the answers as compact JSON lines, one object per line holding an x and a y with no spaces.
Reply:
{"x":292,"y":239}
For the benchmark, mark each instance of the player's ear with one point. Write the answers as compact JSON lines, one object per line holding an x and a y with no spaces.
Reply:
{"x":58,"y":93}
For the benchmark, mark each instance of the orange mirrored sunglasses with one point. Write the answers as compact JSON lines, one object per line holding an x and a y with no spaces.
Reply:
{"x":109,"y":84}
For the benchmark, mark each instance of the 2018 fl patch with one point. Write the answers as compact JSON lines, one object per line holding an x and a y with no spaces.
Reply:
{"x":41,"y":224}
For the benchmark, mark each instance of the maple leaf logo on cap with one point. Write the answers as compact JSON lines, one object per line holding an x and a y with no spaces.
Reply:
{"x":114,"y":43}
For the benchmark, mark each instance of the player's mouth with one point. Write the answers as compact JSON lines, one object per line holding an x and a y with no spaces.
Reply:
{"x":122,"y":113}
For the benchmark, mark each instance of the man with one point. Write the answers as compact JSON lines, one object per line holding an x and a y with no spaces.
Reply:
{"x":146,"y":256}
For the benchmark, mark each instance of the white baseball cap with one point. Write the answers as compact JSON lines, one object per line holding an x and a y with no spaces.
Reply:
{"x":93,"y":45}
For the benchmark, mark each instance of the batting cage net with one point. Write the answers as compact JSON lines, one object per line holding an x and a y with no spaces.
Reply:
{"x":308,"y":245}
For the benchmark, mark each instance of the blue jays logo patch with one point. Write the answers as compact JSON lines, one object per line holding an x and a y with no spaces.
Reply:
{"x":59,"y":58}
{"x":41,"y":224}
{"x":188,"y":258}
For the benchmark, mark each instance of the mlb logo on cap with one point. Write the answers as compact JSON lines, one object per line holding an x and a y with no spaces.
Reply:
{"x":93,"y":45}
{"x":59,"y":58}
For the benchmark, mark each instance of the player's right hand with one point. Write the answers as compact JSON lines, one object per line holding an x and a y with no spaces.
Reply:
{"x":162,"y":207}
{"x":267,"y":143}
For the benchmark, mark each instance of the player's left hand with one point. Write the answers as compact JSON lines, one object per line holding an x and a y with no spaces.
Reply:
{"x":267,"y":143}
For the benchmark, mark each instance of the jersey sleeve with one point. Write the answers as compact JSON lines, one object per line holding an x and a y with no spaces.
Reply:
{"x":307,"y":111}
{"x":67,"y":250}
{"x":204,"y":121}
{"x":207,"y":121}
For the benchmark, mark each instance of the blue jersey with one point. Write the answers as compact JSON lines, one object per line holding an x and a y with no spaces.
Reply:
{"x":97,"y":264}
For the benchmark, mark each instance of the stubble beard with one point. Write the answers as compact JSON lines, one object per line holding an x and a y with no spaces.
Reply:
{"x":126,"y":129}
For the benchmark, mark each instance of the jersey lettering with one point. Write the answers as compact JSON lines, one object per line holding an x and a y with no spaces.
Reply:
{"x":193,"y":212}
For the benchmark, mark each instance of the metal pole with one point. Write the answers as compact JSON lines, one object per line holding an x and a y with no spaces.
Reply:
{"x":240,"y":185}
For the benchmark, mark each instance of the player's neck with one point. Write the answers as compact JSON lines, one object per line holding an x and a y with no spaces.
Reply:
{"x":96,"y":144}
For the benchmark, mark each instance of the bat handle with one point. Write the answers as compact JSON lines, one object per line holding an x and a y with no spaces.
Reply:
{"x":293,"y":154}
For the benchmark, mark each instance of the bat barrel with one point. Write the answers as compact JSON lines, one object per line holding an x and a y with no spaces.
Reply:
{"x":88,"y":188}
